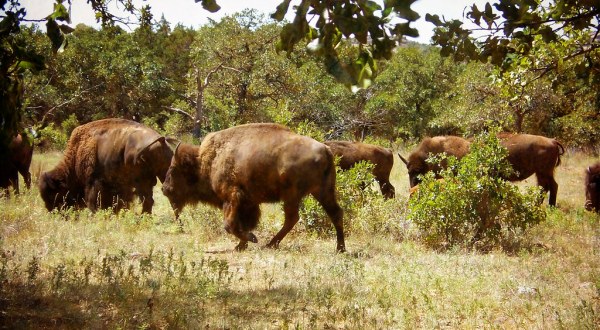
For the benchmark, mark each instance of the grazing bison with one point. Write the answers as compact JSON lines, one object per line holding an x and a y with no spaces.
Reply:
{"x":416,"y":162}
{"x":105,"y":164}
{"x":351,"y":153}
{"x":529,"y":154}
{"x":16,"y":160}
{"x":592,"y":188}
{"x":239,"y":168}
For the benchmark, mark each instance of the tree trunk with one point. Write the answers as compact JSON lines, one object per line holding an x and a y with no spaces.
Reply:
{"x":199,"y":117}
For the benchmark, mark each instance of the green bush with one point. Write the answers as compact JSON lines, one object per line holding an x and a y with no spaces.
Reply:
{"x":69,"y":124}
{"x":52,"y":138}
{"x":472,"y":204}
{"x":353,"y":193}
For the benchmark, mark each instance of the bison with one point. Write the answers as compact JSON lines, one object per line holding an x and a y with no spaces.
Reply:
{"x":351,"y":153}
{"x":529,"y":154}
{"x":239,"y":168}
{"x":105,"y":164}
{"x":416,"y":162}
{"x":16,"y":160}
{"x":592,"y":188}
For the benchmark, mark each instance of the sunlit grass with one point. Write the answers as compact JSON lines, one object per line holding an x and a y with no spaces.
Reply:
{"x":79,"y":269}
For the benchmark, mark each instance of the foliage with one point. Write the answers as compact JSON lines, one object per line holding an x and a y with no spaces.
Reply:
{"x":366,"y":21}
{"x":472,"y":203}
{"x":563,"y":30}
{"x":52,"y":138}
{"x":354,"y":192}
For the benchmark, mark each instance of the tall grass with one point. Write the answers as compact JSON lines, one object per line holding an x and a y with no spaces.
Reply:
{"x":101,"y":270}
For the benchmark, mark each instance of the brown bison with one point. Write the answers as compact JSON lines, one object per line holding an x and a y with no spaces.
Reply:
{"x":351,"y":153}
{"x":592,"y":188}
{"x":416,"y":162}
{"x":529,"y":154}
{"x":105,"y":164}
{"x":16,"y":160}
{"x":239,"y":168}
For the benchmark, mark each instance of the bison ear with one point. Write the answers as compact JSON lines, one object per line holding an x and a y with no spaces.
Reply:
{"x":403,"y":160}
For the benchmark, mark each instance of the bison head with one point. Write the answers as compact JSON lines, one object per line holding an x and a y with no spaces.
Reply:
{"x":182,"y":177}
{"x":416,"y":165}
{"x":54,"y":191}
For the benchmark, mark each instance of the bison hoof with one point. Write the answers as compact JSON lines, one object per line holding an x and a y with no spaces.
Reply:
{"x":272,"y":245}
{"x":252,"y":238}
{"x":243,"y":245}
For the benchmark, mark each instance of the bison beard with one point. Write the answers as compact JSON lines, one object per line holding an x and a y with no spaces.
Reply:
{"x":239,"y":168}
{"x":351,"y":153}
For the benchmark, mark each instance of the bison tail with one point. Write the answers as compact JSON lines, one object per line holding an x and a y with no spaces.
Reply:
{"x":561,"y":151}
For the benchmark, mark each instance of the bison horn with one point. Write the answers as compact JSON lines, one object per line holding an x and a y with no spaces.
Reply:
{"x":403,"y":160}
{"x":589,"y":170}
{"x":173,"y":143}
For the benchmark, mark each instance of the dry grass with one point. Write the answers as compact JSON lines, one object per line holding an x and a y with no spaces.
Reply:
{"x":79,"y":269}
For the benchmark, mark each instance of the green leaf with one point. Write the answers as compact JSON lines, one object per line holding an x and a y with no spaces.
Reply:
{"x":281,"y":10}
{"x":434,"y":19}
{"x":210,"y":5}
{"x":60,"y":12}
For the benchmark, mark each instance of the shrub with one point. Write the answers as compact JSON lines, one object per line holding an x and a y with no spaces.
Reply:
{"x":52,"y":138}
{"x":353,"y":192}
{"x":69,"y":124}
{"x":472,"y":203}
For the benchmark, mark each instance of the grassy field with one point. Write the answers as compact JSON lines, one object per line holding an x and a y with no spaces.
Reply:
{"x":84,"y":270}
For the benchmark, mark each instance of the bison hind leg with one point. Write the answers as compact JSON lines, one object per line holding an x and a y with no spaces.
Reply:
{"x":548,"y":183}
{"x":327,"y":199}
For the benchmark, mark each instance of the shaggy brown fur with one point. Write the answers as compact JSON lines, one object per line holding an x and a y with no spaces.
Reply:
{"x":18,"y":160}
{"x":416,"y":162}
{"x":592,"y":188}
{"x":351,"y":153}
{"x":529,"y":154}
{"x":105,"y":163}
{"x":239,"y":168}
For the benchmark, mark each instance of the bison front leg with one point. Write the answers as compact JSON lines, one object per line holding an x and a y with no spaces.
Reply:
{"x":144,"y":192}
{"x":290,"y":209}
{"x":387,"y":190}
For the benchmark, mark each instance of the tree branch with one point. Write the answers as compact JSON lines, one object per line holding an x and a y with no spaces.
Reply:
{"x":179,"y":111}
{"x":46,"y":116}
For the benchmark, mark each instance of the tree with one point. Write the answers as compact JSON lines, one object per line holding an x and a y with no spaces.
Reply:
{"x":540,"y":49}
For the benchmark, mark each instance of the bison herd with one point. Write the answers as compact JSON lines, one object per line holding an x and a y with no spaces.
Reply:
{"x":108,"y":162}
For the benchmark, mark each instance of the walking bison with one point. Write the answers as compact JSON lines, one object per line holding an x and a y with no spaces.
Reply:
{"x":15,"y":160}
{"x":592,"y":188}
{"x":239,"y":168}
{"x":105,"y":164}
{"x":351,"y":153}
{"x":416,"y":162}
{"x":529,"y":154}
